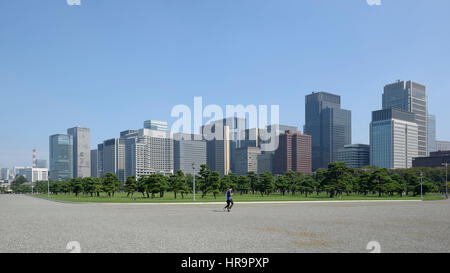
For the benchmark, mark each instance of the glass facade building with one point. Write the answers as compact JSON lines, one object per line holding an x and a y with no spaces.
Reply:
{"x":328,"y":125}
{"x":411,"y":97}
{"x":393,"y":139}
{"x":61,"y":157}
{"x":432,"y":145}
{"x":155,"y":125}
{"x":355,"y":155}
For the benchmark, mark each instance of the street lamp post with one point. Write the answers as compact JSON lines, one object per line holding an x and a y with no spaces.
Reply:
{"x":446,"y":177}
{"x":193,"y":168}
{"x":421,"y":174}
{"x":48,"y":188}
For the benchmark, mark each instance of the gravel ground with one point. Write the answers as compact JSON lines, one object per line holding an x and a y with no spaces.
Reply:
{"x":29,"y":224}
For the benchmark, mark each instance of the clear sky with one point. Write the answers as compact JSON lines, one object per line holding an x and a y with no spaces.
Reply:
{"x":109,"y":64}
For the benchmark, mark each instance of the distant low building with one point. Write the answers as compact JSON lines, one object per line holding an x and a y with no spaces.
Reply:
{"x":355,"y":155}
{"x":436,"y":159}
{"x":36,"y":174}
{"x":443,"y":145}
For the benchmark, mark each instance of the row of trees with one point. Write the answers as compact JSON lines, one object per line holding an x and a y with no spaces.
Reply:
{"x":338,"y":179}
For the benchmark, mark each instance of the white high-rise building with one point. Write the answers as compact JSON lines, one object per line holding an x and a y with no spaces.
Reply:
{"x":149,"y":152}
{"x":393,"y":139}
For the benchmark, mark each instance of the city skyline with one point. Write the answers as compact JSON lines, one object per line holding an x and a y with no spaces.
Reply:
{"x":132,"y":70}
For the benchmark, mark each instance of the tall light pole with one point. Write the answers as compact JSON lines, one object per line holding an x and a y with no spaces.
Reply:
{"x":48,"y":188}
{"x":421,"y":174}
{"x":193,"y":168}
{"x":446,"y":177}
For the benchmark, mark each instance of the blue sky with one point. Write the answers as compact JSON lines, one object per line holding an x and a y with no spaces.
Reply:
{"x":109,"y":64}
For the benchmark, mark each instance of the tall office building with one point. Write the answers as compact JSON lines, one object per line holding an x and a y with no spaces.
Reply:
{"x":393,"y":139}
{"x":100,"y":159}
{"x":410,"y":96}
{"x":149,"y":152}
{"x":328,"y":125}
{"x":155,"y":125}
{"x":61,"y":157}
{"x":223,"y":137}
{"x":293,"y":153}
{"x":431,"y":124}
{"x":355,"y":155}
{"x":443,"y":145}
{"x":187,"y":150}
{"x":81,"y":151}
{"x":94,"y":163}
{"x":113,"y":158}
{"x":246,"y":160}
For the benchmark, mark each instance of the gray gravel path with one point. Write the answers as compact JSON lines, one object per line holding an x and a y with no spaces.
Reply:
{"x":29,"y":224}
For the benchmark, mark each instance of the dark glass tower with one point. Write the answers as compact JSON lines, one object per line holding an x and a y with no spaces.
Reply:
{"x":329,"y":125}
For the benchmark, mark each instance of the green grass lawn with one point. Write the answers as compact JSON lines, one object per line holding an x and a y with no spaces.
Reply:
{"x":169,"y":198}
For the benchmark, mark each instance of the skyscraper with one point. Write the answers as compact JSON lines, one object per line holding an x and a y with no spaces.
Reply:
{"x":328,"y":125}
{"x":223,"y":137}
{"x":94,"y":163}
{"x":113,"y":158}
{"x":411,"y":97}
{"x":431,"y":124}
{"x":293,"y":153}
{"x":393,"y":139}
{"x":61,"y":157}
{"x":100,"y":159}
{"x":188,"y":150}
{"x":81,"y":151}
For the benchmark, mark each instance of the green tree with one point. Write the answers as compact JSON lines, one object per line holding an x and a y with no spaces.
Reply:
{"x":281,"y":184}
{"x":204,"y":179}
{"x":266,"y":183}
{"x":337,"y":178}
{"x":18,"y":181}
{"x":110,"y":184}
{"x":253,"y":181}
{"x":214,"y":184}
{"x":178,"y":184}
{"x":243,"y":185}
{"x":380,"y":179}
{"x":130,"y":185}
{"x":76,"y":185}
